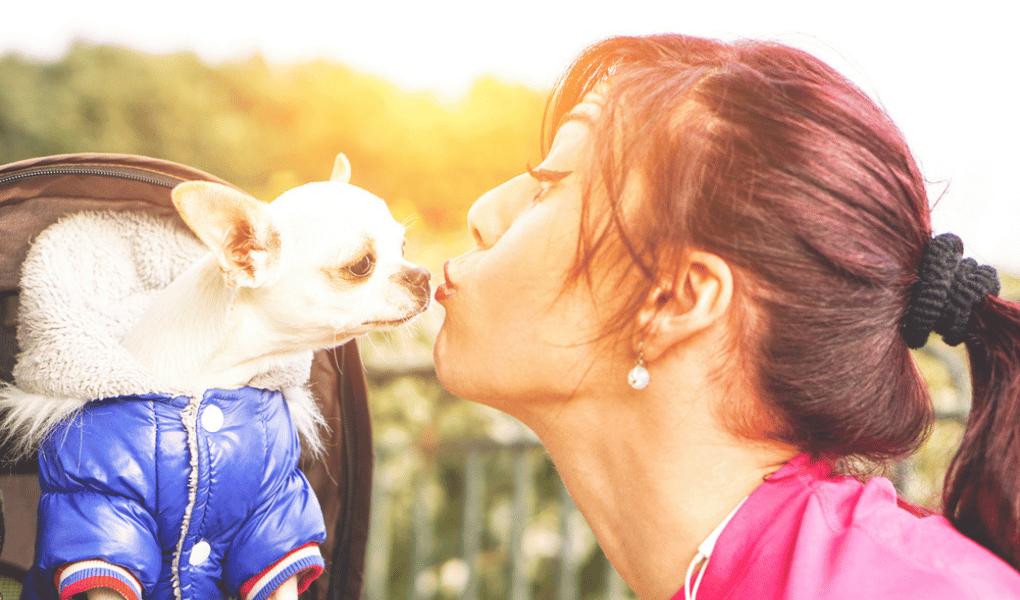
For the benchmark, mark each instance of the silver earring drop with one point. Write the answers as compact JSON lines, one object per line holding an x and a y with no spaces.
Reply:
{"x":638,"y":377}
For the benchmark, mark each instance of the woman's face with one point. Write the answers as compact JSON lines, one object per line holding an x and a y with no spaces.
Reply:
{"x":514,"y":331}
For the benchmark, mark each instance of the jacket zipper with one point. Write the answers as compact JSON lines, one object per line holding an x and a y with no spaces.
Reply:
{"x":131,"y":173}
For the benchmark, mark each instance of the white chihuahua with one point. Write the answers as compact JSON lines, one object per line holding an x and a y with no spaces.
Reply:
{"x":319,"y":265}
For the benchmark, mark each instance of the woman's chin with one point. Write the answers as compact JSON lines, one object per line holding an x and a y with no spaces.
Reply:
{"x":447,"y":371}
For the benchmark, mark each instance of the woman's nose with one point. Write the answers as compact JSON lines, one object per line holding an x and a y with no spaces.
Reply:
{"x":492,"y":214}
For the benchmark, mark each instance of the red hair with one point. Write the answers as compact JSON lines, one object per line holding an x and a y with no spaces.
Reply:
{"x":770,"y":159}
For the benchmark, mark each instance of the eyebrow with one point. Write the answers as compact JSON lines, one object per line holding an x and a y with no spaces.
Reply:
{"x":576,"y":116}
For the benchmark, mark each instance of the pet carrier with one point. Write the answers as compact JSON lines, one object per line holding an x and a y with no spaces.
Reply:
{"x":36,"y":193}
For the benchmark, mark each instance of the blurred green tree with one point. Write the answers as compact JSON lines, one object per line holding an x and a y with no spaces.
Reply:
{"x":267,"y":128}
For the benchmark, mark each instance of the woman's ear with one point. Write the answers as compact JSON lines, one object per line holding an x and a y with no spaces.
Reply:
{"x":675,"y":312}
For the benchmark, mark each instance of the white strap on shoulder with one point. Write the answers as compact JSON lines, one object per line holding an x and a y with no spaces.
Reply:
{"x":700,"y":561}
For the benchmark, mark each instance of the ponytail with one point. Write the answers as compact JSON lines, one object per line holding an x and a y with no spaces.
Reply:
{"x":957,"y":298}
{"x":982,"y":492}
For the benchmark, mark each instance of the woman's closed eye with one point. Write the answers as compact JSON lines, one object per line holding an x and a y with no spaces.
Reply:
{"x":546,"y":179}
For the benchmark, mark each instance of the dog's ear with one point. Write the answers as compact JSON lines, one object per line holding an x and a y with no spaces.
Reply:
{"x":341,"y":169}
{"x":235,"y":226}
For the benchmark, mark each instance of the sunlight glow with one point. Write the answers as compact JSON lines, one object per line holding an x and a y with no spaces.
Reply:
{"x":945,"y":75}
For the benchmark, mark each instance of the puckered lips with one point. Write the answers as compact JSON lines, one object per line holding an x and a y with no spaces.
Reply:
{"x":447,"y":288}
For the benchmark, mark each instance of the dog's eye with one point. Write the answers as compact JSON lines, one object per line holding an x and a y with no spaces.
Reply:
{"x":363,"y":267}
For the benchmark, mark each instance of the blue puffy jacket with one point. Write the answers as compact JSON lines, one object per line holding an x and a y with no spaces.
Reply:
{"x":173,"y":497}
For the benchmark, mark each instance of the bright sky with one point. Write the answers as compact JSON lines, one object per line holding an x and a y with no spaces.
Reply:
{"x":946,"y":71}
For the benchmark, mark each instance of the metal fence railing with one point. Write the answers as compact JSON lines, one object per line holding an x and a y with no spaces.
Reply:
{"x":493,"y":494}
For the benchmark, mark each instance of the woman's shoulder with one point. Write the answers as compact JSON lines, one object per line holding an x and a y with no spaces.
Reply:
{"x":810,"y":533}
{"x":886,"y":545}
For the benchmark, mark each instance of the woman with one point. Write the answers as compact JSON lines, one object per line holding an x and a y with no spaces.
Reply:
{"x":702,"y":300}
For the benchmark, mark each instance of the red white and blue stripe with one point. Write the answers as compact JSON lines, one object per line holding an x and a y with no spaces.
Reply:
{"x":305,"y":562}
{"x":85,"y":575}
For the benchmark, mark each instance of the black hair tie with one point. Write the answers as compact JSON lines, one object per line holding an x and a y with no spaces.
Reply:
{"x":946,"y":292}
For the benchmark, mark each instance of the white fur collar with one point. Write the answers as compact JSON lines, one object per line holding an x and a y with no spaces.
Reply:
{"x":85,"y":282}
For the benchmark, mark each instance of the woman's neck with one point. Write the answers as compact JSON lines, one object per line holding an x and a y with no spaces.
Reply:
{"x":653,"y":473}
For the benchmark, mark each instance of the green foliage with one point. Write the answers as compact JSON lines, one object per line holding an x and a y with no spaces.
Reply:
{"x":267,"y":128}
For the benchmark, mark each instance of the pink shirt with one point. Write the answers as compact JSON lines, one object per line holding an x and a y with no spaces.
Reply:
{"x":806,"y":534}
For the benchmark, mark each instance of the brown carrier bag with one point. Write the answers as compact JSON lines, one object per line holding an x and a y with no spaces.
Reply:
{"x":36,"y":193}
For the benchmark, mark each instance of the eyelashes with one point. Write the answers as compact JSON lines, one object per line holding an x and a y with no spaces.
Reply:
{"x":547,"y":175}
{"x":546,"y":178}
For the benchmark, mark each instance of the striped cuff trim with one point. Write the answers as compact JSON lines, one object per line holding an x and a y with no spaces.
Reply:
{"x":306,"y":561}
{"x":79,"y":577}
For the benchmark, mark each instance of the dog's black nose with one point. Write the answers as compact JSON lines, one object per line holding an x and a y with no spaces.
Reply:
{"x":416,"y":277}
{"x":417,"y":281}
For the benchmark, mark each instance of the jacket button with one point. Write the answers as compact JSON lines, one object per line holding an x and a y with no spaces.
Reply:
{"x":199,"y":553}
{"x":212,"y":418}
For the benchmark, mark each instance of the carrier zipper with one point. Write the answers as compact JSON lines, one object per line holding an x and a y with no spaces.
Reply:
{"x":131,"y":173}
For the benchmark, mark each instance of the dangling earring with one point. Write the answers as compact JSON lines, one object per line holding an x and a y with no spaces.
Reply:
{"x":638,"y":377}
